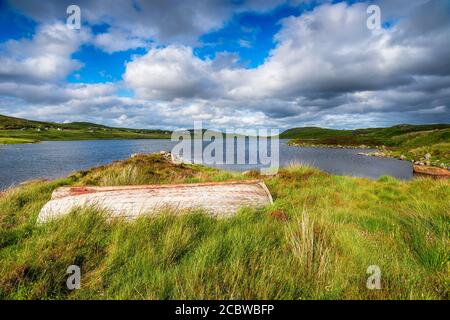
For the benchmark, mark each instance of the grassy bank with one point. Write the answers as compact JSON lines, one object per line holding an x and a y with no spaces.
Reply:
{"x":413,"y":142}
{"x":336,"y":227}
{"x":16,"y":140}
{"x":14,"y":130}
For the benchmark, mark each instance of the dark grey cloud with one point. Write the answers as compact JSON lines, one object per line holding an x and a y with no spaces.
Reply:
{"x":164,"y":21}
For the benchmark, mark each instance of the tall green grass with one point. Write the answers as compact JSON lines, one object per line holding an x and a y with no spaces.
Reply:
{"x":337,"y":227}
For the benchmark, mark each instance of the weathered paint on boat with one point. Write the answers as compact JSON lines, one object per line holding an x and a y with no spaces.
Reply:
{"x":432,"y":172}
{"x":221,"y":199}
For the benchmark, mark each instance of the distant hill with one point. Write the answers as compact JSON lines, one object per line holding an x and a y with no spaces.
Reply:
{"x":17,"y":123}
{"x":7,"y":122}
{"x":391,"y":136}
{"x":409,"y":142}
{"x":19,"y":130}
{"x":313,"y":133}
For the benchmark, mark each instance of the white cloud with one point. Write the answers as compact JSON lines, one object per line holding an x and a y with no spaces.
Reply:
{"x":46,"y":57}
{"x":118,"y":40}
{"x":170,"y":72}
{"x":327,"y":69}
{"x":325,"y":61}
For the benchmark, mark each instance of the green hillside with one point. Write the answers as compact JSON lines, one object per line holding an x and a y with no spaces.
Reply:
{"x":314,"y":133}
{"x":16,"y":130}
{"x":412,"y":142}
{"x":373,"y":136}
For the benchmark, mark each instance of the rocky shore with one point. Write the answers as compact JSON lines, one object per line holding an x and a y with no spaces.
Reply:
{"x":424,"y":165}
{"x":331,"y":146}
{"x":423,"y":161}
{"x":168,"y":156}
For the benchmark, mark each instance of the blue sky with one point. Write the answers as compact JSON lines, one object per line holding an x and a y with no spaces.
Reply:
{"x":249,"y":35}
{"x":13,"y":24}
{"x":228,"y":63}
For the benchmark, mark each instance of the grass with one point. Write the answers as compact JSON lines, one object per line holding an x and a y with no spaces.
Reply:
{"x":78,"y":134}
{"x":16,"y":140}
{"x":391,"y":136}
{"x":337,"y":227}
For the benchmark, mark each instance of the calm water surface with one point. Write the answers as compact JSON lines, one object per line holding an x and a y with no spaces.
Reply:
{"x":53,"y":159}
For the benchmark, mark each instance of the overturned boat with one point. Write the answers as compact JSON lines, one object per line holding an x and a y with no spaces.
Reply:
{"x":220,"y":199}
{"x":434,"y":172}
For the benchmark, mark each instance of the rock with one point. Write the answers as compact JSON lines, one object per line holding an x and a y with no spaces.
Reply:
{"x":402,"y":157}
{"x":167,"y":155}
{"x":178,"y":160}
{"x":427,"y":156}
{"x":137,"y":154}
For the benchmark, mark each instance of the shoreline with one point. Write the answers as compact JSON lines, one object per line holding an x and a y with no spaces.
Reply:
{"x":163,"y":153}
{"x":421,"y":167}
{"x":85,"y":139}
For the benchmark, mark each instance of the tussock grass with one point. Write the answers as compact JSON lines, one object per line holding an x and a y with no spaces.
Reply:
{"x":309,"y":245}
{"x":128,"y":175}
{"x":337,"y":227}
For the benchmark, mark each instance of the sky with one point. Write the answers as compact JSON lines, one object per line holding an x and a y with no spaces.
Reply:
{"x":231,"y":64}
